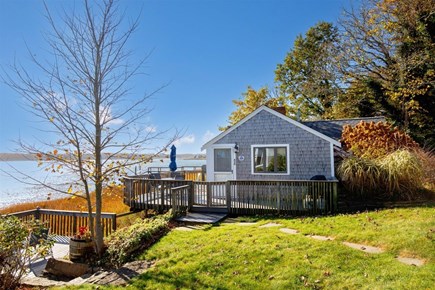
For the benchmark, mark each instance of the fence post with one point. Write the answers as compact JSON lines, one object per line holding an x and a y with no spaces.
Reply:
{"x":37,"y":214}
{"x":334,"y":197}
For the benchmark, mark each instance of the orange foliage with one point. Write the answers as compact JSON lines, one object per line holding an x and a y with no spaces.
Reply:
{"x":112,"y":202}
{"x":373,"y":140}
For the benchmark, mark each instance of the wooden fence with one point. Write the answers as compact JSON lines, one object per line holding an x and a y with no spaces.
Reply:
{"x":66,"y":223}
{"x":294,"y":197}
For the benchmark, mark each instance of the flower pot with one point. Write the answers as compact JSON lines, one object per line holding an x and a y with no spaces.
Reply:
{"x":79,"y":249}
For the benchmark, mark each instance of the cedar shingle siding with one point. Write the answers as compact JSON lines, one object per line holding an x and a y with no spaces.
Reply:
{"x":309,"y":154}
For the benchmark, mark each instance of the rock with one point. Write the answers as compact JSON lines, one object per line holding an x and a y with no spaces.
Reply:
{"x":59,"y":267}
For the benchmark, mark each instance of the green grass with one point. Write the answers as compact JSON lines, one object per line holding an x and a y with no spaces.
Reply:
{"x":230,"y":256}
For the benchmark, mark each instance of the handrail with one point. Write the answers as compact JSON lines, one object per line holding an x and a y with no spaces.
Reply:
{"x":66,"y":223}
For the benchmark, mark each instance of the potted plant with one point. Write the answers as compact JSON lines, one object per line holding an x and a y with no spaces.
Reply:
{"x":81,"y":244}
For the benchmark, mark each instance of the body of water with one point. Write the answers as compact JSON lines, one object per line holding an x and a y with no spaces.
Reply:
{"x":18,"y":190}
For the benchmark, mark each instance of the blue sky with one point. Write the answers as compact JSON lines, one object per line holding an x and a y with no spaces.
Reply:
{"x":208,"y":51}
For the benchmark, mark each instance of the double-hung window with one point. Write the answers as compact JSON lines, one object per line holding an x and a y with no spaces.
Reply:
{"x":270,"y":159}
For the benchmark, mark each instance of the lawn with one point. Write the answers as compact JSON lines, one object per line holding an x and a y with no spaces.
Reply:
{"x":232,"y":256}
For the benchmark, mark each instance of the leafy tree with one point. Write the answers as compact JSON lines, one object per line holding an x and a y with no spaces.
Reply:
{"x":308,"y":77}
{"x":251,"y":100}
{"x":388,"y":46}
{"x":84,"y":95}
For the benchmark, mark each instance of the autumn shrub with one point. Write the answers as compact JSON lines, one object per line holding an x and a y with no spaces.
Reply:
{"x":374,"y":140}
{"x":123,"y":244}
{"x":398,"y":175}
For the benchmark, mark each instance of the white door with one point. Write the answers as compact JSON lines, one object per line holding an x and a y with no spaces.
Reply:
{"x":223,"y":164}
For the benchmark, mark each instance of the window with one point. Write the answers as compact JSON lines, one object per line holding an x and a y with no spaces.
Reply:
{"x":222,"y":160}
{"x":270,"y":159}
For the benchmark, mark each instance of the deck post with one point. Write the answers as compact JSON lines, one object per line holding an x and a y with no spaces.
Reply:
{"x":37,"y":213}
{"x":228,"y":195}
{"x":114,"y":222}
{"x":190,"y":196}
{"x":74,"y":227}
{"x":278,"y":197}
{"x":334,"y":197}
{"x":209,"y":195}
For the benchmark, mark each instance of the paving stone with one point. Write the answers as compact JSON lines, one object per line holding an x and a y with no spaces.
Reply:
{"x":184,"y":229}
{"x":321,"y":238}
{"x":270,"y":225}
{"x":289,"y":231}
{"x":364,"y":248}
{"x":410,"y":261}
{"x":246,"y":224}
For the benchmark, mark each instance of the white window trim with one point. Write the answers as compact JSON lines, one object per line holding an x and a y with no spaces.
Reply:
{"x":287,"y":146}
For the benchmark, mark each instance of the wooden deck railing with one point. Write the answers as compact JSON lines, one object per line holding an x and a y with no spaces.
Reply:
{"x":192,"y":173}
{"x":142,"y":194}
{"x":238,"y":196}
{"x":180,"y":199}
{"x":66,"y":223}
{"x":290,"y":197}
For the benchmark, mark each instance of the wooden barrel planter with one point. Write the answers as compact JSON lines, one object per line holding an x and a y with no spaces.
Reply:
{"x":79,"y":249}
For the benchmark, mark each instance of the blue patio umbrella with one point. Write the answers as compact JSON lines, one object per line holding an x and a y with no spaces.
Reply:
{"x":173,"y":156}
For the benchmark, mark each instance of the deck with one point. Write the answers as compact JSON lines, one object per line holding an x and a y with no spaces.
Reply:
{"x":292,"y":197}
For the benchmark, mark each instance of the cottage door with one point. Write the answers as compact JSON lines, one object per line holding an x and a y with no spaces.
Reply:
{"x":223,"y":164}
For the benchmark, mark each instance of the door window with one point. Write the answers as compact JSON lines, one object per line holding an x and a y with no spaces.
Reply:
{"x":222,"y":160}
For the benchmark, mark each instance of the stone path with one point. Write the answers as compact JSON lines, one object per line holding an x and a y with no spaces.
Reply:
{"x":360,"y":247}
{"x":364,"y":248}
{"x":117,"y":277}
{"x":270,"y":225}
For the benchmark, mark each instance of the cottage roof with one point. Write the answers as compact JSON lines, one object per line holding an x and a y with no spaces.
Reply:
{"x":334,"y":128}
{"x":273,"y":112}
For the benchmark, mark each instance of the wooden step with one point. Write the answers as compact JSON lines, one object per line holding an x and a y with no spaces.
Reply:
{"x":206,"y":209}
{"x":201,"y":218}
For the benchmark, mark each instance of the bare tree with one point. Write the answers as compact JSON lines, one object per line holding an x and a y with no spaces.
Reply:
{"x":84,"y":94}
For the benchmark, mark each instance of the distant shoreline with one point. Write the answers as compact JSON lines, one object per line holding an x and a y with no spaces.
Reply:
{"x":32,"y":157}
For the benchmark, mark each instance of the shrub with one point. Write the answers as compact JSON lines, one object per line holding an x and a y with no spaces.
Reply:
{"x":126,"y":242}
{"x":374,"y":140}
{"x":16,"y":249}
{"x":398,"y":175}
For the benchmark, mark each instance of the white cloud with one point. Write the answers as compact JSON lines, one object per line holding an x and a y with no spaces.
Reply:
{"x":106,"y":116}
{"x":151,"y":129}
{"x":189,"y":139}
{"x":208,"y":136}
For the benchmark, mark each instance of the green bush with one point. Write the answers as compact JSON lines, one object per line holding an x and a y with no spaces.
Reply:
{"x":16,"y":248}
{"x":398,"y":175}
{"x":125,"y":243}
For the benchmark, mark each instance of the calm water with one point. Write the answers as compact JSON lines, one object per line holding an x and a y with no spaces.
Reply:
{"x":16,"y":190}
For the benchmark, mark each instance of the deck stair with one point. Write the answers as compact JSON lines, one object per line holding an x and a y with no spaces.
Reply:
{"x":202,"y":217}
{"x":207,"y":209}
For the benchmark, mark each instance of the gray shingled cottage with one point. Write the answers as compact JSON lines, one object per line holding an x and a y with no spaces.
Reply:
{"x":263,"y":164}
{"x":267,"y":145}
